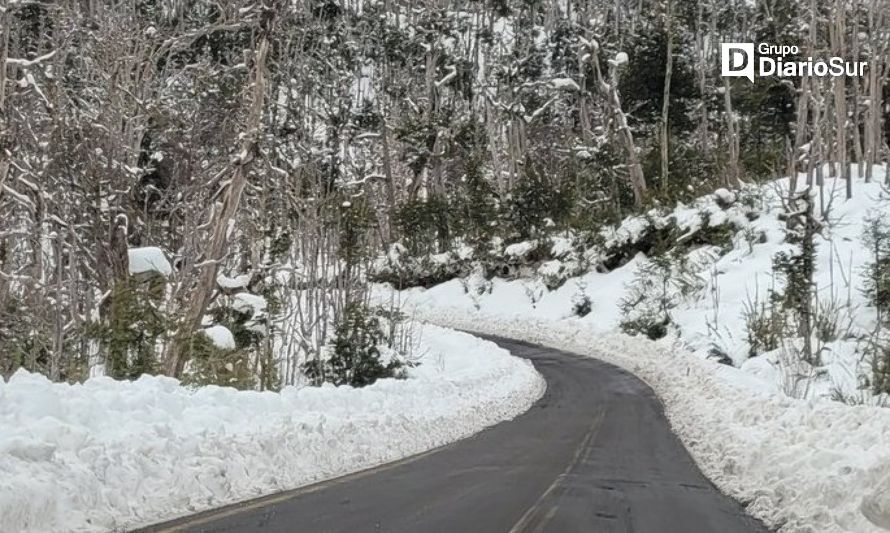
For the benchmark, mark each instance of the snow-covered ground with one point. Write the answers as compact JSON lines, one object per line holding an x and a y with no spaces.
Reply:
{"x":107,"y":455}
{"x":764,"y":430}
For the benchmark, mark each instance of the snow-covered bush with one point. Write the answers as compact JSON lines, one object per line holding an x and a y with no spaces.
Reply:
{"x":211,"y":362}
{"x":765,"y":324}
{"x":879,"y":353}
{"x":661,"y":283}
{"x":356,"y":355}
{"x":582,"y":305}
{"x":650,"y":297}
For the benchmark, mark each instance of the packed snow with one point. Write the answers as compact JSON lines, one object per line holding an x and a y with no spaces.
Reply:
{"x":110,"y":455}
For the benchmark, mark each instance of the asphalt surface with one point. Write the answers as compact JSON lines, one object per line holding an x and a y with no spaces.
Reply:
{"x":594,"y":455}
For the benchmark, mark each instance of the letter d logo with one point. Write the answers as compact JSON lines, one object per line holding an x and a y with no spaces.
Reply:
{"x":737,"y":60}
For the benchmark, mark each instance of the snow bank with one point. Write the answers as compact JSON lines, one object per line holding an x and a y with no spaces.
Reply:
{"x":109,"y":455}
{"x":799,"y":465}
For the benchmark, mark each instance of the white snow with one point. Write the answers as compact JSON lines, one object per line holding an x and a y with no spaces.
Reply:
{"x":237,"y":282}
{"x":726,"y":196}
{"x":250,"y":304}
{"x":149,"y":259}
{"x":221,"y":337}
{"x":565,"y":84}
{"x":520,"y":249}
{"x":111,"y":455}
{"x":620,"y":59}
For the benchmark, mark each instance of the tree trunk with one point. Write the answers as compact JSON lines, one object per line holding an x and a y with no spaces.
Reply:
{"x":666,"y":96}
{"x":200,"y":297}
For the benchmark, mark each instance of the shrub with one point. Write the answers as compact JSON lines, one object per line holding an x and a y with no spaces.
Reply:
{"x":651,"y":325}
{"x":581,"y":304}
{"x":879,"y":350}
{"x":129,"y":333}
{"x":534,"y":201}
{"x":765,"y":324}
{"x":877,"y":271}
{"x":210,"y":365}
{"x":354,"y":355}
{"x":424,"y":224}
{"x":649,"y":299}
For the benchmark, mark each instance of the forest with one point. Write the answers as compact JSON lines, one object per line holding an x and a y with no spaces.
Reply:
{"x":207,"y":190}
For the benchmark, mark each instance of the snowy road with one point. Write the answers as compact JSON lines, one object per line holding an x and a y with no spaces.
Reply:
{"x":595,"y":454}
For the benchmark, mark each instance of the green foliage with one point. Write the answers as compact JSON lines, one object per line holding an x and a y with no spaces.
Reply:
{"x":210,"y":365}
{"x":602,"y":190}
{"x":534,"y":201}
{"x":251,"y":344}
{"x":241,"y":324}
{"x":877,"y":272}
{"x":720,"y":235}
{"x":25,"y":344}
{"x":478,"y":205}
{"x":355,"y":220}
{"x":661,"y":283}
{"x":880,"y":357}
{"x":582,"y":305}
{"x":131,"y":329}
{"x":424,"y":224}
{"x":642,"y":84}
{"x":355,"y":357}
{"x":770,"y":107}
{"x":797,"y":268}
{"x":765,"y":324}
{"x":691,"y":173}
{"x":649,"y":299}
{"x":652,"y":326}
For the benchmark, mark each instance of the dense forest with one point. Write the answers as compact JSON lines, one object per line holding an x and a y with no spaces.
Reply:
{"x":168,"y":167}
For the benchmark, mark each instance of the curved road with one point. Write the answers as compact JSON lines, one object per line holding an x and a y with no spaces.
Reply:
{"x":594,"y":455}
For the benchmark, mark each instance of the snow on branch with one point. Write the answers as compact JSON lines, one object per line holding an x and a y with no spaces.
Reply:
{"x":30,"y":62}
{"x":565,"y":84}
{"x":452,"y":73}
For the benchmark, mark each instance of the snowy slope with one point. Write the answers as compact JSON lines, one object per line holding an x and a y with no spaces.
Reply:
{"x":714,"y":316}
{"x":107,"y":455}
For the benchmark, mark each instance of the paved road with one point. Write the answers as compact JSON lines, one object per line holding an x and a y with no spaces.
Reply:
{"x":594,"y":455}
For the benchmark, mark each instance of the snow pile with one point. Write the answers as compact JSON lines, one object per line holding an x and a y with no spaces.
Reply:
{"x":109,"y":455}
{"x":799,"y":465}
{"x":149,"y":260}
